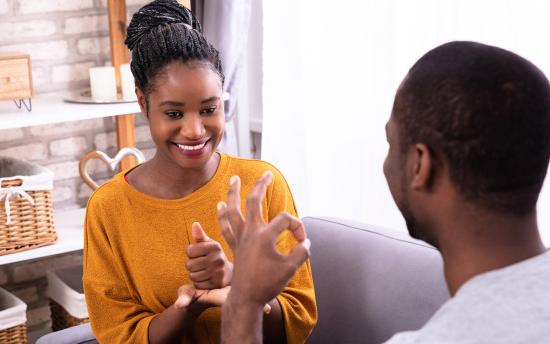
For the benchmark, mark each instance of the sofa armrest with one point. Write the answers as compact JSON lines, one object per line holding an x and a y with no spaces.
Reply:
{"x":371,"y":282}
{"x":81,"y":334}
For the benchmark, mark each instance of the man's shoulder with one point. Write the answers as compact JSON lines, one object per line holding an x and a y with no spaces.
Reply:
{"x":504,"y":305}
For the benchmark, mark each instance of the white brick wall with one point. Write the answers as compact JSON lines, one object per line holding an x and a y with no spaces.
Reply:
{"x":64,"y":170}
{"x":72,"y":72}
{"x":40,"y":77}
{"x":62,"y":193}
{"x":95,"y":45}
{"x":143,"y":134}
{"x":41,"y":6}
{"x":68,"y":147}
{"x":66,"y":128}
{"x":129,"y":3}
{"x":50,"y":50}
{"x":86,"y":24}
{"x":105,"y":141}
{"x":26,"y":271}
{"x":64,"y":38}
{"x":11,"y":134}
{"x":149,"y":153}
{"x":32,"y":28}
{"x":34,"y":151}
{"x":28,"y":294}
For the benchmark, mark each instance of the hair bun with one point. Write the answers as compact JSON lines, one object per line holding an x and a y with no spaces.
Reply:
{"x":157,"y":13}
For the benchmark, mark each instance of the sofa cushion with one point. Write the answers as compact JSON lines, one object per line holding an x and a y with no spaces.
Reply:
{"x":81,"y":334}
{"x":371,"y":282}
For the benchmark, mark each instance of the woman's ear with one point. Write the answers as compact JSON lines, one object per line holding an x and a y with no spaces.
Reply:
{"x":142,"y":102}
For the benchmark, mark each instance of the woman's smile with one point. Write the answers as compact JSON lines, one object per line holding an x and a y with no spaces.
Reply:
{"x":193,"y":149}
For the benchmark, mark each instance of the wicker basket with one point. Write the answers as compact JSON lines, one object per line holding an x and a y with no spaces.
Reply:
{"x":67,"y":302}
{"x":13,"y":318}
{"x":26,"y":213}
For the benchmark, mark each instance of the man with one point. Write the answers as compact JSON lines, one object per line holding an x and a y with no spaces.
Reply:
{"x":469,"y":139}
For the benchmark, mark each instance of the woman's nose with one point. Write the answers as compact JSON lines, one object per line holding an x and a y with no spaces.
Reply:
{"x":192,"y":127}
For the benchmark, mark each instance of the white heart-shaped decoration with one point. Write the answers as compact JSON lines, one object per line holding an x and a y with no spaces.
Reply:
{"x":111,"y":162}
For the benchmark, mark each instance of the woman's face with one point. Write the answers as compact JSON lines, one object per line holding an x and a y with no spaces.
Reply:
{"x":185,"y":113}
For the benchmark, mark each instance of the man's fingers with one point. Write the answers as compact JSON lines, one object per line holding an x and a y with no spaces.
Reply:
{"x":286,"y":221}
{"x":234,"y":193}
{"x":299,"y":254}
{"x":225,"y":225}
{"x":234,"y":215}
{"x":198,"y":233}
{"x":254,"y":201}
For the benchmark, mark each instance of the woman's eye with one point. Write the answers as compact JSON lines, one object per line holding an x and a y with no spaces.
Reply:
{"x":174,"y":114}
{"x":208,"y":111}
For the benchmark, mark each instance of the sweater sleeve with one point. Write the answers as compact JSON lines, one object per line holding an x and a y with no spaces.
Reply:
{"x":116,"y":316}
{"x":298,"y":298}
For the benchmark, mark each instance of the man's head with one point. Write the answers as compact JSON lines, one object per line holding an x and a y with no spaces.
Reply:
{"x":476,"y":116}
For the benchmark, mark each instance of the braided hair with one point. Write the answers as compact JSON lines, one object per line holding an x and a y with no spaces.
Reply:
{"x":162,"y":32}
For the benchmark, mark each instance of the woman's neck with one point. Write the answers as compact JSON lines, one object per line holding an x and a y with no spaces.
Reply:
{"x":166,"y":180}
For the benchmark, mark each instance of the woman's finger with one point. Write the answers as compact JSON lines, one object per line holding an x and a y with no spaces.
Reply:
{"x":200,"y":276}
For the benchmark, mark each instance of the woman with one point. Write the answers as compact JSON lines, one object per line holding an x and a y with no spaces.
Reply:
{"x":156,"y":267}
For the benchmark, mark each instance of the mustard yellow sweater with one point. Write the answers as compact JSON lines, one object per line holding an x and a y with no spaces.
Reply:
{"x":134,"y":254}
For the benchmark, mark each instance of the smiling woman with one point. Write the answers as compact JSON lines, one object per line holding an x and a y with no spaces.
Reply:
{"x":151,"y":272}
{"x":186,"y":117}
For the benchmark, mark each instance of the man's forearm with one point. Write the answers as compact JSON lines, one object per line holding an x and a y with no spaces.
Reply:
{"x":241,"y":322}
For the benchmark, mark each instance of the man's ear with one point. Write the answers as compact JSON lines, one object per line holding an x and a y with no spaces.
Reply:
{"x":422,"y":167}
{"x":142,"y":102}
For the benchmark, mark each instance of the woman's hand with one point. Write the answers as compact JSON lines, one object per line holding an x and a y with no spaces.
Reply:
{"x":207,"y":265}
{"x":190,"y":297}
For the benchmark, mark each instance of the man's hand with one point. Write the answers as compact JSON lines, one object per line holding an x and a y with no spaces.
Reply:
{"x":207,"y":265}
{"x":260,"y":271}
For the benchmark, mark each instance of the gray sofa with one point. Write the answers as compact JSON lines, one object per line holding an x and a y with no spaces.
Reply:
{"x":370,"y":283}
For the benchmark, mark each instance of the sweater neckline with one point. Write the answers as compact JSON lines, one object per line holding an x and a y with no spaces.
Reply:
{"x":213,"y":184}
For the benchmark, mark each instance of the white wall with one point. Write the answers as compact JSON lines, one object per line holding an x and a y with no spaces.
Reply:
{"x":330,"y":73}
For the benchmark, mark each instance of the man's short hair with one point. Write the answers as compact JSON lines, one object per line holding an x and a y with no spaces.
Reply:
{"x":485,"y":112}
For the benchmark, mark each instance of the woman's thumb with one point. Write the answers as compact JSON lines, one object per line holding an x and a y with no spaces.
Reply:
{"x":198,"y":233}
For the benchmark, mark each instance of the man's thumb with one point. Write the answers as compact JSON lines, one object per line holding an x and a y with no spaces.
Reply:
{"x":198,"y":233}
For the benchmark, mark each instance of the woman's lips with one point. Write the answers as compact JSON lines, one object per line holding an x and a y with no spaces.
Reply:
{"x":192,"y":150}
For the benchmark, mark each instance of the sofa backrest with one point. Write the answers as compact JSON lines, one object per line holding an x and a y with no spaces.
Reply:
{"x":371,"y":282}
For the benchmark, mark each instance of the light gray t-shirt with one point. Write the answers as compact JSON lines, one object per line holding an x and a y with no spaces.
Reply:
{"x":508,"y":305}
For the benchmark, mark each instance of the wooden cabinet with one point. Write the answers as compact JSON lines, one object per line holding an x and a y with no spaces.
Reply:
{"x":15,"y":76}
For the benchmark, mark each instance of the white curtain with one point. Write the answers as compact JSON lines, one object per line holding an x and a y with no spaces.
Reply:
{"x":331,"y":69}
{"x":226,"y":24}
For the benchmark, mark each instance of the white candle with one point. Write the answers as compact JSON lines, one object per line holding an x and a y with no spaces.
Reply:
{"x":127,"y":81}
{"x":103,"y":83}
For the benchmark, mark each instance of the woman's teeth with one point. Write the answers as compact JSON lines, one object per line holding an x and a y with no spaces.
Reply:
{"x":191,"y":148}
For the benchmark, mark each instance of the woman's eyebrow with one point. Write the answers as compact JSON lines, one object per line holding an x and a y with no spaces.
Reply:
{"x":210,"y":99}
{"x":171,"y":103}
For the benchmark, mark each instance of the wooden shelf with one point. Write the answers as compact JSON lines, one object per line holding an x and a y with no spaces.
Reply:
{"x":51,"y":108}
{"x":69,"y":225}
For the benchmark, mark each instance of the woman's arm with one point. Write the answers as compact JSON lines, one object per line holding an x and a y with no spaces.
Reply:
{"x":173,"y":323}
{"x":274,"y":325}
